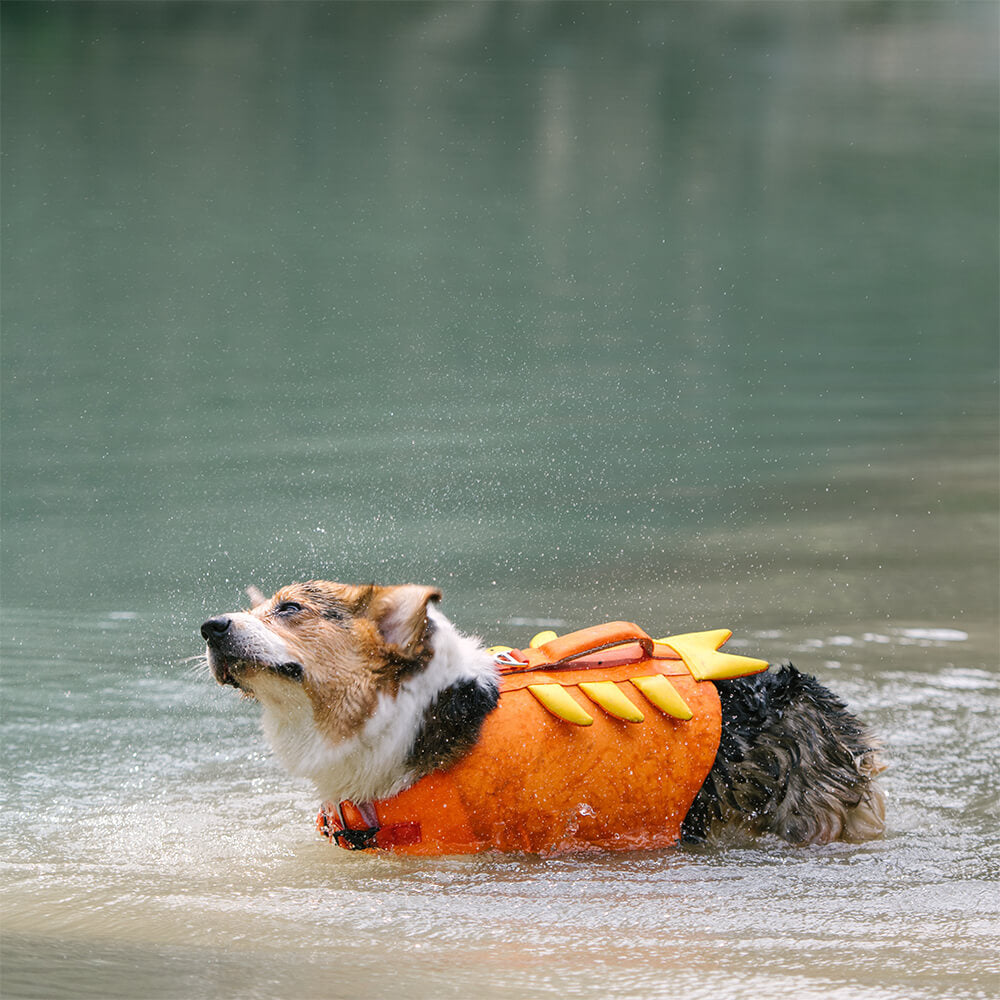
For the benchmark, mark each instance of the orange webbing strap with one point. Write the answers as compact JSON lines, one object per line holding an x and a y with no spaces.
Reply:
{"x":568,"y":647}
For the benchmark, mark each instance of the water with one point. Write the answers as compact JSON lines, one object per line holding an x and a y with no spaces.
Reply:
{"x":684,"y":314}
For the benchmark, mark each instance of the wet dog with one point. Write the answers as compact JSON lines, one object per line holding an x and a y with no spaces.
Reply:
{"x":366,"y":690}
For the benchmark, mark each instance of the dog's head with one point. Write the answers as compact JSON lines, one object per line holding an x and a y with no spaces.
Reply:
{"x":365,"y":689}
{"x":337,"y":644}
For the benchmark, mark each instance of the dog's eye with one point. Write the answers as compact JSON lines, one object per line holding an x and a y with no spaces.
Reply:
{"x":288,"y":608}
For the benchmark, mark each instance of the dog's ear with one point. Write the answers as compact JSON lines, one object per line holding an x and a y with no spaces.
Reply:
{"x":401,"y":615}
{"x":256,"y":595}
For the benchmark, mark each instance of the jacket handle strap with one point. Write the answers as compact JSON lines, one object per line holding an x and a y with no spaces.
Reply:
{"x":568,"y":647}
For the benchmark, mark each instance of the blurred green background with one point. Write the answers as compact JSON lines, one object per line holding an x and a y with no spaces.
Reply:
{"x":682,"y":312}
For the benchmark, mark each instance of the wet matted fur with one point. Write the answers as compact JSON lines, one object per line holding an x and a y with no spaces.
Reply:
{"x":792,"y":761}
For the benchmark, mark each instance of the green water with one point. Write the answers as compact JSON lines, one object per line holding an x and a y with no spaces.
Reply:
{"x":680,"y":313}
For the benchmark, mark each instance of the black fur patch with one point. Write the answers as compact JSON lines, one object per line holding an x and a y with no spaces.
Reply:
{"x":792,"y":761}
{"x":451,"y":725}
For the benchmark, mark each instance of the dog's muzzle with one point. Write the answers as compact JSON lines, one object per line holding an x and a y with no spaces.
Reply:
{"x":230,"y":650}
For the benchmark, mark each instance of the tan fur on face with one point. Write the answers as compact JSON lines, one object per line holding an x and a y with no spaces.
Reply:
{"x":353,"y":643}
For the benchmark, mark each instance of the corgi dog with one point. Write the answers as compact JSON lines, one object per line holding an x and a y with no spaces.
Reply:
{"x":372,"y":694}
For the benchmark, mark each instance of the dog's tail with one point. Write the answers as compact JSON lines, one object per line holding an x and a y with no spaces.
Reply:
{"x":793,"y":761}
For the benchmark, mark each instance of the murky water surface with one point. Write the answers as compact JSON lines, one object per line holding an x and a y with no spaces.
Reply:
{"x":684,"y":314}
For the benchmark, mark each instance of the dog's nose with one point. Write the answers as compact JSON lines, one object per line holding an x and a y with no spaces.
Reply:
{"x":215,"y":628}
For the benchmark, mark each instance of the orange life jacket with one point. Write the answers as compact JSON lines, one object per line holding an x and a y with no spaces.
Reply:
{"x":601,"y":740}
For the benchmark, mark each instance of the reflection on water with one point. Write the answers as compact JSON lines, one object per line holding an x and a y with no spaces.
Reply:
{"x":678,"y":313}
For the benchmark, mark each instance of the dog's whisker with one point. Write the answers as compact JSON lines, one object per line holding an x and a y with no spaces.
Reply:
{"x":195,"y":666}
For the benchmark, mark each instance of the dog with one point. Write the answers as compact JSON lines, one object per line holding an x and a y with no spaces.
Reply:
{"x":373,"y":694}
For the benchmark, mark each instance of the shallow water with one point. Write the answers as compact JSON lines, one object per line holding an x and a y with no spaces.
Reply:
{"x":683,"y":314}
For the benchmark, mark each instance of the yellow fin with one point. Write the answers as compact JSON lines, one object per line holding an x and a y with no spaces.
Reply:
{"x":663,"y":695}
{"x":560,"y":703}
{"x":541,"y":638}
{"x":698,"y":650}
{"x":612,"y":699}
